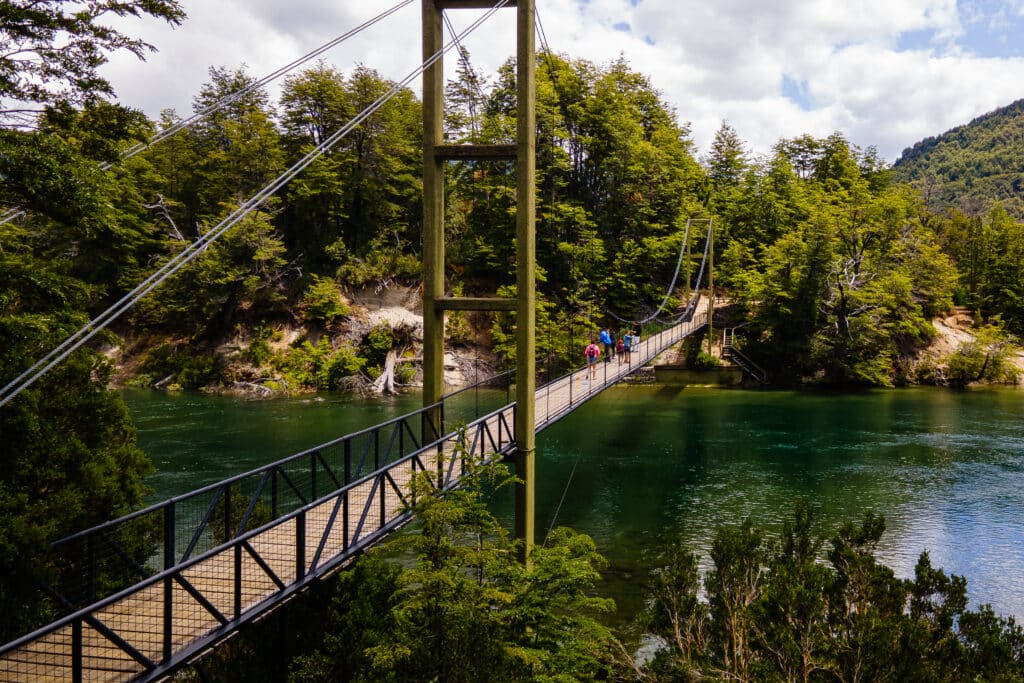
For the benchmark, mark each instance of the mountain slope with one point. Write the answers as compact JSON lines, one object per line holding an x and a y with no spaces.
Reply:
{"x":972,"y":166}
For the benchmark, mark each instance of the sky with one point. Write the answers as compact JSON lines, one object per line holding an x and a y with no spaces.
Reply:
{"x":885,"y":73}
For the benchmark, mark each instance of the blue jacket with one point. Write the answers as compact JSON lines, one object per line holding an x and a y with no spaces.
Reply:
{"x":605,"y":337}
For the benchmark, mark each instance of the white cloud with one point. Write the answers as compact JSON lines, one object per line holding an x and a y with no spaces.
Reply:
{"x":712,"y":61}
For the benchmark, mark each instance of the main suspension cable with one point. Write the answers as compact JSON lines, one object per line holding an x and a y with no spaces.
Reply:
{"x":672,"y":285}
{"x":691,"y":307}
{"x":93,"y":327}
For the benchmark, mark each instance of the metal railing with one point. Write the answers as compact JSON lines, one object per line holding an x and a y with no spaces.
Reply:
{"x":730,"y":352}
{"x":98,"y":562}
{"x":262,"y":536}
{"x":151,"y":628}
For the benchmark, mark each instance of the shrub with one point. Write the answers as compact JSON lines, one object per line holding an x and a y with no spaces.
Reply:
{"x":705,"y":361}
{"x":984,"y":359}
{"x":259,"y":352}
{"x":319,"y":366}
{"x":323,"y":301}
{"x":376,"y":345}
{"x":191,"y":369}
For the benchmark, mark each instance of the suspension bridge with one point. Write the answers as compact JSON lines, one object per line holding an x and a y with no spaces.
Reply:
{"x":153,"y":590}
{"x":219,"y":562}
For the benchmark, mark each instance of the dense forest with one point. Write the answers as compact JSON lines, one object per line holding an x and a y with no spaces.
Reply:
{"x":971,"y":167}
{"x":835,"y":268}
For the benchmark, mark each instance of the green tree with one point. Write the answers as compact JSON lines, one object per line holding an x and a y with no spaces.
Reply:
{"x":733,"y":586}
{"x":51,"y":53}
{"x":316,"y":103}
{"x":68,"y":458}
{"x":467,"y":610}
{"x":792,"y":617}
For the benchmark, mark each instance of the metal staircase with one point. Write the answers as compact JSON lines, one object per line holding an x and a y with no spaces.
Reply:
{"x":734,"y":355}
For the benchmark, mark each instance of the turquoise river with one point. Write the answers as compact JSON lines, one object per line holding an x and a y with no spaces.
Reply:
{"x":643,"y":465}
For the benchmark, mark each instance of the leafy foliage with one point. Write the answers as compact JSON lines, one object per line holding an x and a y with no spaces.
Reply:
{"x":971,"y":167}
{"x":467,"y":610}
{"x":774,"y":612}
{"x":51,"y":53}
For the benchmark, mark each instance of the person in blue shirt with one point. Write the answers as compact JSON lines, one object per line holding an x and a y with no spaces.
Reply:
{"x":606,"y":341}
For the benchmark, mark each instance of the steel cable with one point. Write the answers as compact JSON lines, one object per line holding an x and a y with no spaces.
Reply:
{"x":93,"y":327}
{"x":672,"y":285}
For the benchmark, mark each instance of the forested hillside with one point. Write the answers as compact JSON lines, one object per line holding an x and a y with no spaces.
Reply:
{"x":971,"y":167}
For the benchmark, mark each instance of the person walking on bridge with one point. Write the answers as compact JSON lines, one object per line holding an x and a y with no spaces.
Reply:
{"x":606,"y":341}
{"x":592,"y":352}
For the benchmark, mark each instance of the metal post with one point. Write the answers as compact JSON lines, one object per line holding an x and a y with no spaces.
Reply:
{"x":76,"y":651}
{"x":433,"y":215}
{"x":711,"y":288}
{"x":526,"y":262}
{"x":169,"y":560}
{"x":300,"y":544}
{"x":238,"y":580}
{"x":689,"y":243}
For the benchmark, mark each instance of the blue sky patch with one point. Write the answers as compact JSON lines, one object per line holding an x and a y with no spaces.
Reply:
{"x":915,"y":40}
{"x":993,"y":34}
{"x":621,"y":26}
{"x":796,"y":91}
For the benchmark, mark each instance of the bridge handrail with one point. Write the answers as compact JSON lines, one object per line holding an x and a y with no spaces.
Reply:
{"x":283,"y":461}
{"x":176,"y":571}
{"x":180,"y":566}
{"x":240,"y":477}
{"x":98,"y":561}
{"x":383,"y":509}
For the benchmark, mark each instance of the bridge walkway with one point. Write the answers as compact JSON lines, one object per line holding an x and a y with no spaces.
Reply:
{"x":152,"y":628}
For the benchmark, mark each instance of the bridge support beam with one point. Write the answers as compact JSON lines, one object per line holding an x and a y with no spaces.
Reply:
{"x":526,"y":269}
{"x":435,"y":152}
{"x":433,"y":219}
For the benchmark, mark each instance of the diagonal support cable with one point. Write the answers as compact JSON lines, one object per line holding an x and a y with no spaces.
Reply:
{"x":93,"y":327}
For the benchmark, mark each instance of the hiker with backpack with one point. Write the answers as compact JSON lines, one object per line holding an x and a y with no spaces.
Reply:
{"x":606,"y":340}
{"x":592,"y":352}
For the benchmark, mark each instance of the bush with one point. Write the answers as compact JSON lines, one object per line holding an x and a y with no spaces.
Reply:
{"x":319,"y":366}
{"x":405,"y":373}
{"x":376,"y":345}
{"x":985,"y":359}
{"x":704,"y":361}
{"x":259,"y":352}
{"x":323,"y":302}
{"x":382,"y":262}
{"x":191,"y":369}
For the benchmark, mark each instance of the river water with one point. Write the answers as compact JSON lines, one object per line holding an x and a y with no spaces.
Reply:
{"x":641,"y":465}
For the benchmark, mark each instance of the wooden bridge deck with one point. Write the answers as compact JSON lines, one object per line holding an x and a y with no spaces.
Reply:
{"x":146,"y":631}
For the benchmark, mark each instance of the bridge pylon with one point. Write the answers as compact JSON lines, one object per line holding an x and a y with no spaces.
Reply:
{"x":435,"y":303}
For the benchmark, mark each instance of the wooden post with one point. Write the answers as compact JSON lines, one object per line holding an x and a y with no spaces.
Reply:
{"x":525,"y":303}
{"x":526,"y":267}
{"x":433,"y":217}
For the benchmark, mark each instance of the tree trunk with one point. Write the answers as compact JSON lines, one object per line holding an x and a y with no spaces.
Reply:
{"x":386,"y":382}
